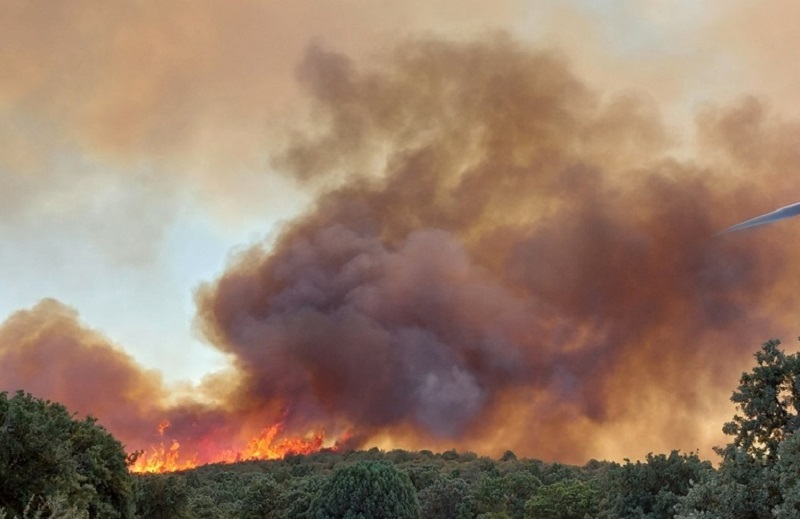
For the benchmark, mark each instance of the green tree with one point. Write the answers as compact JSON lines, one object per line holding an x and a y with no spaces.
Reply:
{"x":298,"y":499}
{"x":262,"y":499}
{"x":653,"y":488}
{"x":565,"y":499}
{"x":759,"y":471}
{"x":47,"y":455}
{"x":367,"y":490}
{"x":446,"y":498}
{"x":162,"y":496}
{"x":508,"y":456}
{"x":742,"y":488}
{"x":489,"y":495}
{"x":769,"y":401}
{"x":786,"y":474}
{"x":202,"y":506}
{"x":519,"y":487}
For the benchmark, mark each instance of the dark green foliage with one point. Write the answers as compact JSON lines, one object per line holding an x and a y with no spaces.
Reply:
{"x":508,"y":456}
{"x":769,"y":400}
{"x":741,"y":488}
{"x":202,"y":506}
{"x":462,"y":486}
{"x":445,"y":499}
{"x":422,"y":475}
{"x":519,"y":486}
{"x":786,"y":474}
{"x":162,"y":496}
{"x":262,"y":500}
{"x":653,"y":488}
{"x":300,"y":496}
{"x":367,"y":490}
{"x":556,"y":472}
{"x":450,"y":455}
{"x":758,"y":475}
{"x":565,"y":499}
{"x":45,"y":453}
{"x":489,"y":496}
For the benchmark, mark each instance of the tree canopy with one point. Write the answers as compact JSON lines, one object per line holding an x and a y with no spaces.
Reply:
{"x":46,"y":455}
{"x":367,"y":490}
{"x":768,"y":398}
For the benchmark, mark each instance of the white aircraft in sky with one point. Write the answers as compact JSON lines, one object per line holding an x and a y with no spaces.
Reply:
{"x":774,"y":216}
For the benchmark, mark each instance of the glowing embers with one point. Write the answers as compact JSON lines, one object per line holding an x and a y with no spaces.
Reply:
{"x":268,"y":445}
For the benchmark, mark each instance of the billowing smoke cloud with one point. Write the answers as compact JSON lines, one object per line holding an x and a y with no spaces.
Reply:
{"x":48,"y":352}
{"x":507,"y":250}
{"x":503,"y":258}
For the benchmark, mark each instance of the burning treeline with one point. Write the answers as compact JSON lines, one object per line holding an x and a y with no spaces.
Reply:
{"x":499,"y":257}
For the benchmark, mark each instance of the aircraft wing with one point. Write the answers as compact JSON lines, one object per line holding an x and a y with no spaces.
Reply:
{"x":774,"y":216}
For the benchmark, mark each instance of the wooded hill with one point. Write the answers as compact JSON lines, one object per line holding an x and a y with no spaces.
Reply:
{"x":52,"y":465}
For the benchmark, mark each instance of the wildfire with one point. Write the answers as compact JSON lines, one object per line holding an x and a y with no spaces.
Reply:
{"x":265,"y":446}
{"x":268,"y":445}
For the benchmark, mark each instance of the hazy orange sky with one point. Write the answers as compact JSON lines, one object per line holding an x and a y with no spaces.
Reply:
{"x":425,"y":224}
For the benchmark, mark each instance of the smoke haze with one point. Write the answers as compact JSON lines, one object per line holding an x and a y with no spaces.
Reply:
{"x":498,"y":254}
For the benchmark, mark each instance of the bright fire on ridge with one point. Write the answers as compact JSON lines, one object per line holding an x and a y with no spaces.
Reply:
{"x":268,"y":445}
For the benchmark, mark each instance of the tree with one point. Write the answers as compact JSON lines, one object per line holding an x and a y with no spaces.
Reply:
{"x":262,"y":499}
{"x":565,"y":499}
{"x":299,"y":498}
{"x":769,"y":400}
{"x":519,"y":486}
{"x":786,"y":474}
{"x":367,"y":489}
{"x":508,"y":456}
{"x":653,"y":488}
{"x":446,"y":498}
{"x":758,"y":476}
{"x":46,"y":455}
{"x":488,"y":495}
{"x":741,"y":488}
{"x":162,"y":496}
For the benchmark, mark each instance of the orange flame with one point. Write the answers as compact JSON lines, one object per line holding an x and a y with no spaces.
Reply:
{"x":268,"y":445}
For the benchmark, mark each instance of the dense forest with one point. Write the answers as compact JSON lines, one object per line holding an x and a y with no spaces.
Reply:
{"x":53,"y":465}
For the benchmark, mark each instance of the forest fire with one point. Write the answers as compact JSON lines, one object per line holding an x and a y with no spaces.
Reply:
{"x":268,"y":445}
{"x":503,"y":258}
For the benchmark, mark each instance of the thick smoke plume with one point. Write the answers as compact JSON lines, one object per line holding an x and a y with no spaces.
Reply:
{"x":501,"y":258}
{"x":506,"y":250}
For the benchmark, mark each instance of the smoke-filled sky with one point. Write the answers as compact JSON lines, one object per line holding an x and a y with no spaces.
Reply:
{"x":423,"y":224}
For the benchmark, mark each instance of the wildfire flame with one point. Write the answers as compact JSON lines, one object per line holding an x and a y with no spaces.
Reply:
{"x":268,"y":445}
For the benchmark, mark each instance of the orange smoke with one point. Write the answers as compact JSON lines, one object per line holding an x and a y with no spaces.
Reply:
{"x":500,"y":258}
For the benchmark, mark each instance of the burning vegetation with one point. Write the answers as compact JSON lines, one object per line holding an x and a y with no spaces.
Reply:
{"x":269,"y":445}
